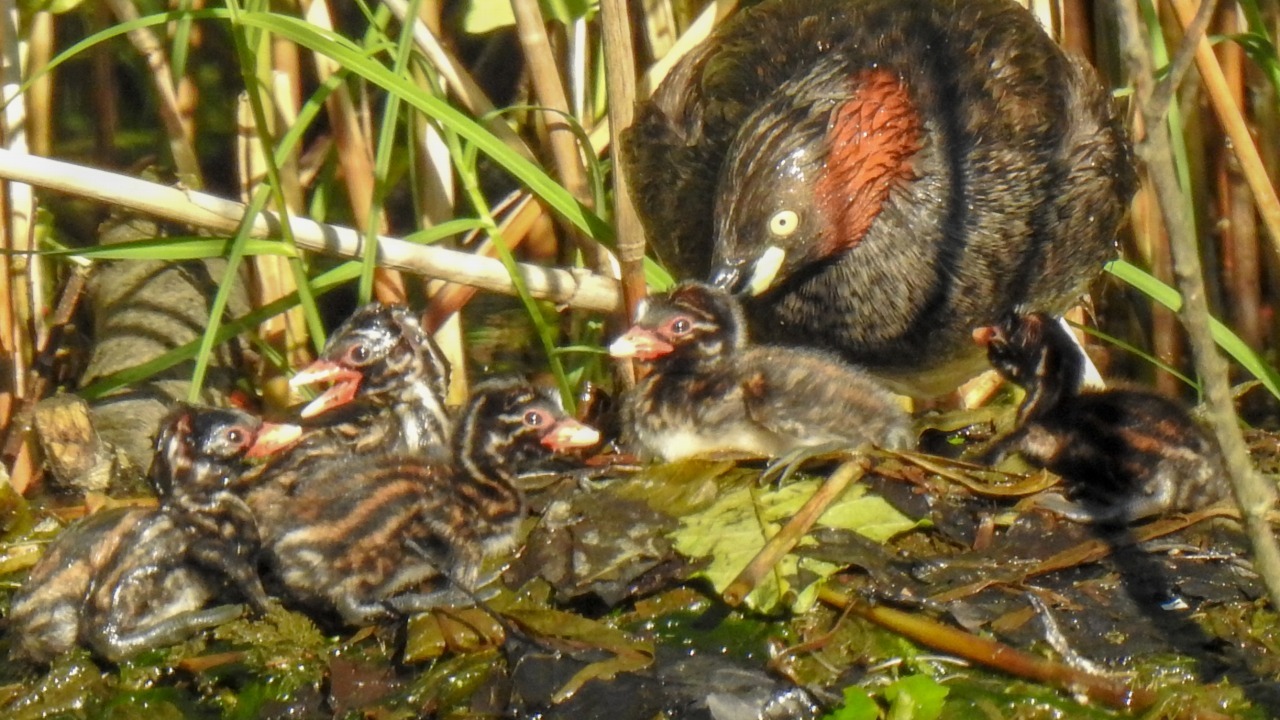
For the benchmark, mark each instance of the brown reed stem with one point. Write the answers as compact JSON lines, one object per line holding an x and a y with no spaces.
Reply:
{"x":1253,"y":494}
{"x":548,"y":86}
{"x":185,"y":161}
{"x":620,"y":77}
{"x":1246,"y":150}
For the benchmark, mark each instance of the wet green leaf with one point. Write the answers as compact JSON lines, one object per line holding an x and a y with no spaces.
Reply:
{"x":858,"y":705}
{"x":574,"y":633}
{"x":450,"y":683}
{"x":734,"y":529}
{"x":915,"y":697}
{"x":683,"y":487}
{"x":15,"y":513}
{"x":429,"y":635}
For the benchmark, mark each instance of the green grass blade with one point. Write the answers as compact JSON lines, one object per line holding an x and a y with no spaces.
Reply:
{"x":449,"y":228}
{"x":1231,"y":343}
{"x":357,"y":61}
{"x":174,"y":248}
{"x":1257,"y":43}
{"x":383,"y":155}
{"x":1135,"y":350}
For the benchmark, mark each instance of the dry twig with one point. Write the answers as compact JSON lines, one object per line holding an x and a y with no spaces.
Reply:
{"x":548,"y":86}
{"x":1002,"y":657}
{"x":782,"y":543}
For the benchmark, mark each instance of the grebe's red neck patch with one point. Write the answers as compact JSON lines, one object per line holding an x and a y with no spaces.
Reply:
{"x":872,"y":137}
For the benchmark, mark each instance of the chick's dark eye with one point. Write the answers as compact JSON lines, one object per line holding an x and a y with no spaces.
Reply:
{"x":237,"y":436}
{"x":680,"y":326}
{"x":533,"y":418}
{"x":358,"y":354}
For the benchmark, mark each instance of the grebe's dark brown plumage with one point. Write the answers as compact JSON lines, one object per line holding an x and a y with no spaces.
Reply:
{"x":1124,"y":454}
{"x":884,"y":175}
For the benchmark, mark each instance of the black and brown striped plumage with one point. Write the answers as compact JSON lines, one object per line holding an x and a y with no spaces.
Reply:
{"x":388,"y":377}
{"x":129,"y":579}
{"x":370,"y":537}
{"x":1125,"y":454}
{"x":389,"y":381}
{"x":706,"y":390}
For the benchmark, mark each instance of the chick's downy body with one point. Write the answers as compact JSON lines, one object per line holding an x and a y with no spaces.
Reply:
{"x":706,"y":390}
{"x":131,"y":579}
{"x":1124,"y":454}
{"x":369,"y":537}
{"x":882,"y":176}
{"x":388,"y":381}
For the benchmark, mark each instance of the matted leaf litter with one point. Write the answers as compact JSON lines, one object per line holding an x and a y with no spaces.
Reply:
{"x":612,"y":609}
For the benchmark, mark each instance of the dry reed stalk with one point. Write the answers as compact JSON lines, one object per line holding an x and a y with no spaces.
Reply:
{"x":796,"y":528}
{"x":548,"y":87}
{"x":661,"y":31}
{"x":185,"y":162}
{"x":574,"y":288}
{"x":20,"y":269}
{"x":40,"y":93}
{"x":621,"y":82}
{"x":287,"y":105}
{"x":1152,"y":241}
{"x":1242,"y":144}
{"x":355,"y":156}
{"x":1255,"y":496}
{"x":103,"y":94}
{"x":436,"y":190}
{"x":1103,"y":689}
{"x":1238,"y":227}
{"x":187,"y":89}
{"x":1077,"y":27}
{"x":698,"y":31}
{"x":1166,"y":333}
{"x":459,"y":82}
{"x":270,"y":275}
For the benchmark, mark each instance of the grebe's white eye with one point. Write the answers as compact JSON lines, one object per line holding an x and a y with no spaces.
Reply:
{"x":783,"y":223}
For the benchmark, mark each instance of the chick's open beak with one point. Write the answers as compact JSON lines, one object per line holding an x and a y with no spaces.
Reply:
{"x":272,"y":438}
{"x":641,"y":344}
{"x":345,"y":384}
{"x":985,"y":335}
{"x":569,"y":433}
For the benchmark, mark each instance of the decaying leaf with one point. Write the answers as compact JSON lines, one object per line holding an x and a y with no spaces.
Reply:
{"x":431,"y":634}
{"x":575,"y":634}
